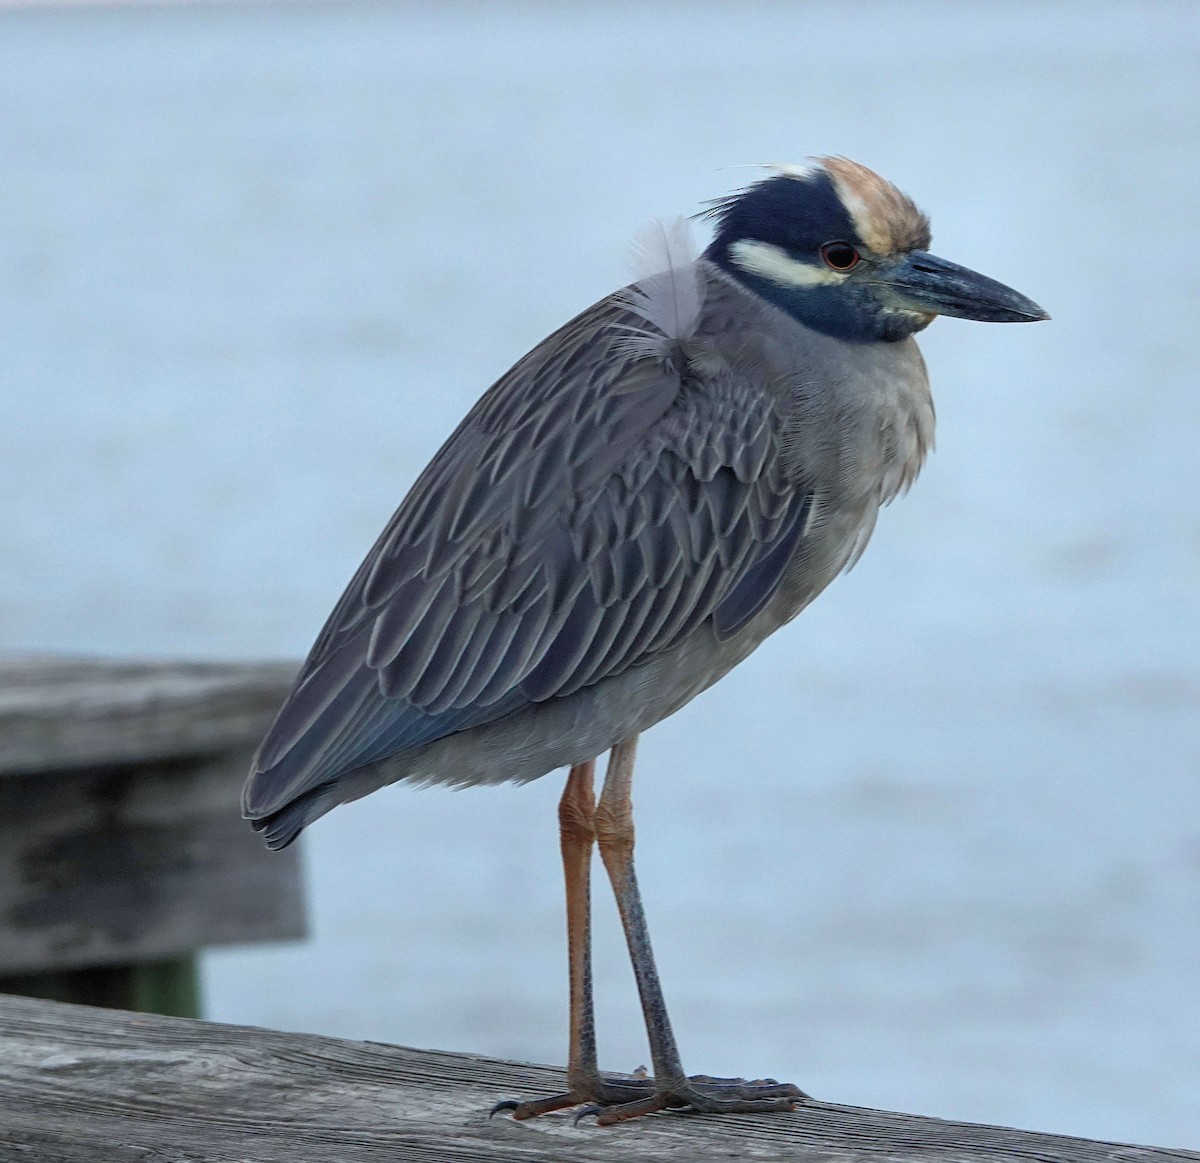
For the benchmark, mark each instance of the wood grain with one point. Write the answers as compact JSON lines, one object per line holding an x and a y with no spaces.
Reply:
{"x":131,"y":864}
{"x":121,"y":838}
{"x":60,"y":713}
{"x":78,"y":1084}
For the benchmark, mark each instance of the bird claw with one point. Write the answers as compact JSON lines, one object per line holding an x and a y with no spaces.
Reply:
{"x":592,"y":1108}
{"x":610,"y":1090}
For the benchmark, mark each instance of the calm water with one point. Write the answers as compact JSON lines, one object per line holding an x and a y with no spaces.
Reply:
{"x":937,"y":846}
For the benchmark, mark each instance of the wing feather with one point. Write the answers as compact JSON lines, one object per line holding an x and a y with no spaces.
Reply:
{"x":590,"y":511}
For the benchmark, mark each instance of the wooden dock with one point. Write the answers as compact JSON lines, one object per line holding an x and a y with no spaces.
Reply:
{"x":122,"y":850}
{"x":79,"y":1084}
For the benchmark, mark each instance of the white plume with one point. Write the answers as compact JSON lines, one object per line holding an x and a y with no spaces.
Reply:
{"x":668,"y":292}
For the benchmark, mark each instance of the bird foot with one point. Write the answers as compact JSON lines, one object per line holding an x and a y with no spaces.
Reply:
{"x":609,"y":1090}
{"x":624,"y":1096}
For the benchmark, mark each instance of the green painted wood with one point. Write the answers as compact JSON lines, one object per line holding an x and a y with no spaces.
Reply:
{"x":170,"y":986}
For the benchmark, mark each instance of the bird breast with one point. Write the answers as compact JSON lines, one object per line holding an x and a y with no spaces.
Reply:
{"x":854,"y":424}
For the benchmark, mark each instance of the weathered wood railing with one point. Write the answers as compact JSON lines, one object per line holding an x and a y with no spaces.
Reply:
{"x":79,"y":1084}
{"x":121,"y":848}
{"x":122,"y":854}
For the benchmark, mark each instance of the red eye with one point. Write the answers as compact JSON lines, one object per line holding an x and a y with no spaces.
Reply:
{"x":840,"y":256}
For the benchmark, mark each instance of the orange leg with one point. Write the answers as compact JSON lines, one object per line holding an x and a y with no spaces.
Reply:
{"x":577,"y":834}
{"x":614,"y":1098}
{"x":672,"y":1088}
{"x":615,"y":833}
{"x":577,"y":837}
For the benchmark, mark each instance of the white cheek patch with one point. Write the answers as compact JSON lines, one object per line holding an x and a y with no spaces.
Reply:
{"x":774,"y":263}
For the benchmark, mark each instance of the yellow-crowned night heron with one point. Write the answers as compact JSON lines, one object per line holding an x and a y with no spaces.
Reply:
{"x":621,"y":519}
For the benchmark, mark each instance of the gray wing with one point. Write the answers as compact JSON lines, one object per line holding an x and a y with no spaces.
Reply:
{"x":595,"y":506}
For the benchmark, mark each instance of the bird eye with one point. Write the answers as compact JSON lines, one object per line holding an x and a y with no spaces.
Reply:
{"x":840,"y":256}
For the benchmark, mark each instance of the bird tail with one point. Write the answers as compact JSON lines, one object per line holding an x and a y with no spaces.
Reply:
{"x":280,"y":828}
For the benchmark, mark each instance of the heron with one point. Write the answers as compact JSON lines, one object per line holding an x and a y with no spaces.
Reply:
{"x":623,"y":517}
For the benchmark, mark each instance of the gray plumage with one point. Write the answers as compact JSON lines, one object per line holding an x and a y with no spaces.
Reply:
{"x":623,"y":517}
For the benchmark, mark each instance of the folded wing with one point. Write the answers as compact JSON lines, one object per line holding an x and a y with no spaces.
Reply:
{"x":593,"y":508}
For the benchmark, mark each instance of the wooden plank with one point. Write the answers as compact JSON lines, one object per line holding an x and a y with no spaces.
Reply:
{"x":79,"y":1084}
{"x":127,"y":865}
{"x":81,"y":712}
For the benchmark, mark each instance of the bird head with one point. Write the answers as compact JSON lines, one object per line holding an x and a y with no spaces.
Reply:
{"x":846,"y":253}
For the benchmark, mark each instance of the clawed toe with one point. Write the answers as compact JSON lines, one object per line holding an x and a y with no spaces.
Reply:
{"x":758,"y":1088}
{"x":736,"y":1096}
{"x":708,"y":1095}
{"x":620,"y":1097}
{"x":538,"y":1106}
{"x":612,"y":1090}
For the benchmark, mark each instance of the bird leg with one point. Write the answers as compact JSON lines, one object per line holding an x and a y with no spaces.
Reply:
{"x":577,"y":836}
{"x":614,"y":1098}
{"x":672,"y":1088}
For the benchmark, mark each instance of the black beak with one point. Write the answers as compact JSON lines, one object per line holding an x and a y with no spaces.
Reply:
{"x":920,"y":281}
